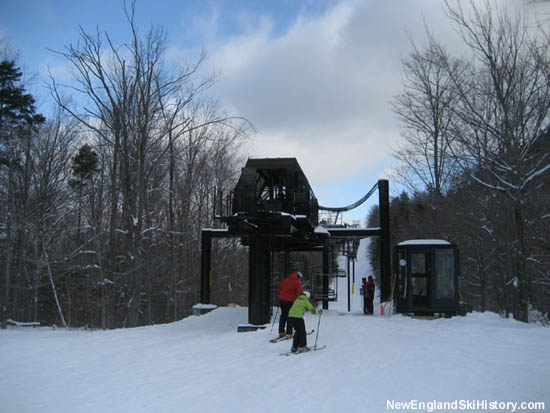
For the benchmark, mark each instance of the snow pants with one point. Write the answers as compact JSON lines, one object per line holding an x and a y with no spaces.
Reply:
{"x":368,"y":307}
{"x":285,"y":308}
{"x":300,"y":336}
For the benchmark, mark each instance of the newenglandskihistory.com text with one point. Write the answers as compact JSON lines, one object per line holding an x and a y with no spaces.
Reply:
{"x":434,"y":405}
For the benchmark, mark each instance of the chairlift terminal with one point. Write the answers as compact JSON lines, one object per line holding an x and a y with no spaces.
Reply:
{"x":273,"y":208}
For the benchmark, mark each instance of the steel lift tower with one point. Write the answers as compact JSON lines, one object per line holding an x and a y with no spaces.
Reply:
{"x":273,"y":208}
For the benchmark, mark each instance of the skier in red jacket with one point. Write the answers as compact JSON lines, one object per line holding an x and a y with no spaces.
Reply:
{"x":368,"y":293}
{"x":289,"y":289}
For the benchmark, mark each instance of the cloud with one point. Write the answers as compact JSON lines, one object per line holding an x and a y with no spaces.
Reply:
{"x":320,"y":91}
{"x":330,"y":155}
{"x":291,"y":80}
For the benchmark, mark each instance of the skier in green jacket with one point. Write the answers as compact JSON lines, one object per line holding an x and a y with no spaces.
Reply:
{"x":296,"y":319}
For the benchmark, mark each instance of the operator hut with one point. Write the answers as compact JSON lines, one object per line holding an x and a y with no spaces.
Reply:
{"x":427,"y":277}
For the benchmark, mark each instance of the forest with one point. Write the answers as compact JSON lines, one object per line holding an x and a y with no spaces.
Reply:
{"x":101,"y":204}
{"x":476,"y":157}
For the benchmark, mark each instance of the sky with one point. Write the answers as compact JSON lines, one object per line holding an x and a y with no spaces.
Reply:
{"x":314,"y":77}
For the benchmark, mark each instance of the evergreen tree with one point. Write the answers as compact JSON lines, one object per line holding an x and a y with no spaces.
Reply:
{"x":84,"y":166}
{"x":17,"y":119}
{"x":16,"y":106}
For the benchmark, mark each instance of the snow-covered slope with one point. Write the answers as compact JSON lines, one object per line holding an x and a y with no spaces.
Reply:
{"x":201,"y":364}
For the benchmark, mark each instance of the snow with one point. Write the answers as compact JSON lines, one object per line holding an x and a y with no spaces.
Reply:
{"x":201,"y":364}
{"x":9,"y":321}
{"x":425,"y":242}
{"x":201,"y":306}
{"x":319,"y":229}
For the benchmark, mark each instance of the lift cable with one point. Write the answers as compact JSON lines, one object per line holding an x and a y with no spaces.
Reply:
{"x":351,"y":206}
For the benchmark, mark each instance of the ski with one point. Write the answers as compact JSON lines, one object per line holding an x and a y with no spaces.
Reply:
{"x":290,"y":353}
{"x":277,"y":339}
{"x":284,"y":338}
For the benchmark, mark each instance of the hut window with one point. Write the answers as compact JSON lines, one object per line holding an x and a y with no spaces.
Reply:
{"x":418,"y":264}
{"x":445,"y":274}
{"x":419,"y":286}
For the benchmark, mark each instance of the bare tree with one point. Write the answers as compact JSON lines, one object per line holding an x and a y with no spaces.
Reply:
{"x":487,"y":117}
{"x":425,"y":111}
{"x":154,"y":129}
{"x":504,"y":109}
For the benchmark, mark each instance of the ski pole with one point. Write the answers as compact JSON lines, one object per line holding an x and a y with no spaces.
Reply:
{"x":274,"y":318}
{"x":318,"y":325}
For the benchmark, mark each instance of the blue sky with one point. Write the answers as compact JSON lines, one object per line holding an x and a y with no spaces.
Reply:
{"x":34,"y":26}
{"x":314,"y":77}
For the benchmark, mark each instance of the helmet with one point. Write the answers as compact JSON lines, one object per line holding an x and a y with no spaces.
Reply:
{"x":307,"y":294}
{"x":299,"y":274}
